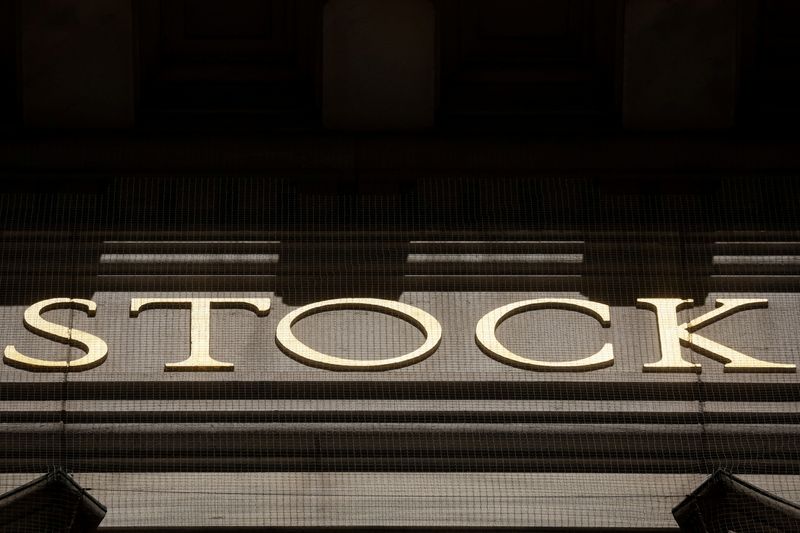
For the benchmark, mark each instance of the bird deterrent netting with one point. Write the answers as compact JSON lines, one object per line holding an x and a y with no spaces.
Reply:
{"x":565,"y":353}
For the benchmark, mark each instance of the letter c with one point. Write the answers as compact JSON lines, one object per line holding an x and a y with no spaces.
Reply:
{"x":485,"y":335}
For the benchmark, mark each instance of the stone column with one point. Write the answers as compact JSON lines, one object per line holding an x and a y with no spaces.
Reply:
{"x":77,"y":63}
{"x":379,"y":64}
{"x":680,"y":64}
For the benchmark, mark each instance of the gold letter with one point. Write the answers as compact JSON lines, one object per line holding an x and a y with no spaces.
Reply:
{"x":671,"y":336}
{"x":200,"y":360}
{"x":292,"y":347}
{"x":95,"y":348}
{"x":487,"y":340}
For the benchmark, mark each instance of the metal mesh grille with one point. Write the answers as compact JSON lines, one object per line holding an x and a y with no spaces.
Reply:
{"x":458,"y":439}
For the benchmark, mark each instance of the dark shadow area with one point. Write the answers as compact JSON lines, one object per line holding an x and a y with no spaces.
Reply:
{"x":495,"y":58}
{"x":10,"y":112}
{"x":652,"y":238}
{"x":345,"y":239}
{"x":614,"y":239}
{"x":726,"y":503}
{"x":54,"y":503}
{"x":249,"y":64}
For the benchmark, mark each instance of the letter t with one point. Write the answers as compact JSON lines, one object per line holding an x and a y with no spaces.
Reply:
{"x":200,"y":360}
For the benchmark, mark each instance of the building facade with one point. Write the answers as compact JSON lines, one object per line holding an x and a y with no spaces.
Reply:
{"x":303,"y":265}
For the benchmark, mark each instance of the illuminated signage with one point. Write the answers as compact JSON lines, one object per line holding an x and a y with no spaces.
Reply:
{"x":671,"y":334}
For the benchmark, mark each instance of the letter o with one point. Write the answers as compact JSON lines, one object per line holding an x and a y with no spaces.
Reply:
{"x":291,"y":345}
{"x":485,"y":335}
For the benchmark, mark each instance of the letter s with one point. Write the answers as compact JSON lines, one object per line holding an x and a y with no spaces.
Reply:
{"x":95,"y":348}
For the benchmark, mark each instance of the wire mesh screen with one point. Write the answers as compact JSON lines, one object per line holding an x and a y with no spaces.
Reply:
{"x":198,"y":352}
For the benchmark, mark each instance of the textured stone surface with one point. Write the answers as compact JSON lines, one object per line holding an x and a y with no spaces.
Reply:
{"x":392,"y":499}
